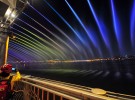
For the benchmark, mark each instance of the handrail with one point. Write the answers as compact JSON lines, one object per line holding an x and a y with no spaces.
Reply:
{"x":52,"y":91}
{"x":109,"y":94}
{"x":67,"y":90}
{"x":74,"y":92}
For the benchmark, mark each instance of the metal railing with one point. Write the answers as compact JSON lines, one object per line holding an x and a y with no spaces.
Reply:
{"x":35,"y":88}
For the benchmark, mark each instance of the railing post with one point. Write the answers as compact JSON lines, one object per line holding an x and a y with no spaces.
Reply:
{"x":61,"y":97}
{"x":47,"y":95}
{"x":42,"y":94}
{"x":26,"y":92}
{"x":53,"y":96}
{"x":38,"y":93}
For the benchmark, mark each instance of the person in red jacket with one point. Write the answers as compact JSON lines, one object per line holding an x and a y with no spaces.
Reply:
{"x":7,"y":80}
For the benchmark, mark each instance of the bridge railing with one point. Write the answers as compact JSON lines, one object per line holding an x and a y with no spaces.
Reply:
{"x":35,"y":88}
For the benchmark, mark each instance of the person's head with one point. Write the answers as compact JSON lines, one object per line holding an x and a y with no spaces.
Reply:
{"x":6,"y":69}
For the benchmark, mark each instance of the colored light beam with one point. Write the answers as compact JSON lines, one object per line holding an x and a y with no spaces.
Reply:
{"x":33,"y":44}
{"x":42,"y":40}
{"x":36,"y":36}
{"x":20,"y":52}
{"x":94,"y":42}
{"x":95,"y":38}
{"x":61,"y":31}
{"x":42,"y":33}
{"x":25,"y":53}
{"x":79,"y":37}
{"x":54,"y":34}
{"x":13,"y":56}
{"x":102,"y":28}
{"x":132,"y":26}
{"x":34,"y":47}
{"x":11,"y":59}
{"x":37,"y":44}
{"x":84,"y":42}
{"x":32,"y":50}
{"x":32,"y":39}
{"x":24,"y":47}
{"x":18,"y":56}
{"x":116,"y":25}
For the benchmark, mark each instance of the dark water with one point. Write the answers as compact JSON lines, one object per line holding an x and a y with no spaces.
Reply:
{"x":115,"y":76}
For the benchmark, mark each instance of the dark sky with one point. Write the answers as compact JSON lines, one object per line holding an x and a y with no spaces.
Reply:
{"x":74,"y":29}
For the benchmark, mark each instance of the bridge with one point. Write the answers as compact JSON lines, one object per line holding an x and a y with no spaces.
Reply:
{"x":28,"y":44}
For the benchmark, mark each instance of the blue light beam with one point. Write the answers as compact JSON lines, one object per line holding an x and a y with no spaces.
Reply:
{"x":54,"y":34}
{"x":101,"y":27}
{"x":132,"y":26}
{"x":79,"y":37}
{"x":61,"y":31}
{"x":83,"y":26}
{"x":117,"y":28}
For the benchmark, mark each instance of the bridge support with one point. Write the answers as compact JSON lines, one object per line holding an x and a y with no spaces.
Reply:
{"x":4,"y":42}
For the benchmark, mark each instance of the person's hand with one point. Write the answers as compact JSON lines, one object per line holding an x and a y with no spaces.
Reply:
{"x":16,"y":70}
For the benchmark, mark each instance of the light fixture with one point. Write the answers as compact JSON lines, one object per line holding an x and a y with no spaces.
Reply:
{"x":8,"y":12}
{"x":13,"y":15}
{"x":1,"y":25}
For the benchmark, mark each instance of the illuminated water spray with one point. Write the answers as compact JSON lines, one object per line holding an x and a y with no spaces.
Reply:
{"x":117,"y":27}
{"x":89,"y":33}
{"x":102,"y":28}
{"x":54,"y":34}
{"x":38,"y":47}
{"x":58,"y":51}
{"x":34,"y":41}
{"x":132,"y":26}
{"x":42,"y":47}
{"x":26,"y":52}
{"x":56,"y":27}
{"x":83,"y":42}
{"x":41,"y":33}
{"x":33,"y":51}
{"x":33,"y":45}
{"x":76,"y":33}
{"x":26,"y":48}
{"x":25,"y":55}
{"x":16,"y":55}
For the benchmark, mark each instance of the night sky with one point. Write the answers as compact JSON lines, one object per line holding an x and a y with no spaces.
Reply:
{"x":73,"y":30}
